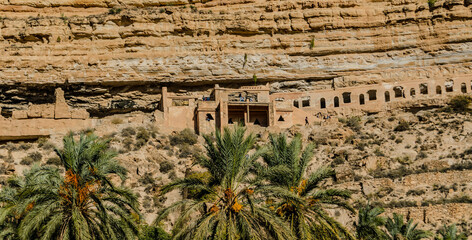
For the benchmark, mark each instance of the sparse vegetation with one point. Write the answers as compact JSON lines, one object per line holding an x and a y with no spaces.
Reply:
{"x":45,"y":144}
{"x":54,"y":161}
{"x":185,"y":136}
{"x":64,"y":18}
{"x":166,"y":166}
{"x":31,"y":158}
{"x":352,"y":122}
{"x":402,"y":126}
{"x":114,"y":11}
{"x":312,"y":43}
{"x":117,"y":120}
{"x":460,"y":103}
{"x":128,"y":132}
{"x":183,"y":145}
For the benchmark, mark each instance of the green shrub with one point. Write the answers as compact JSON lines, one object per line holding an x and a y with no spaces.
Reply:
{"x":379,"y":152}
{"x":166,"y":166}
{"x":173,"y":175}
{"x":338,"y":160}
{"x":403,"y":160}
{"x":146,"y":179}
{"x":185,"y":136}
{"x":353,"y":122}
{"x":153,"y":233}
{"x":114,"y":11}
{"x":312,"y":43}
{"x":44,"y":144}
{"x":187,"y":151}
{"x":142,"y":137}
{"x":431,"y":3}
{"x":127,"y":132}
{"x":36,"y":156}
{"x":402,"y":126}
{"x":31,"y":158}
{"x":143,"y":134}
{"x":128,"y":143}
{"x":460,"y":103}
{"x":415,"y":192}
{"x":54,"y":161}
{"x":421,"y":155}
{"x":25,"y":146}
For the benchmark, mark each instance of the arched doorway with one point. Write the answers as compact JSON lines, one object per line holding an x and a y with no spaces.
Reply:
{"x":412,"y":92}
{"x":387,"y":96}
{"x":336,"y":102}
{"x":438,"y":90}
{"x":323,"y":103}
{"x":361,"y":99}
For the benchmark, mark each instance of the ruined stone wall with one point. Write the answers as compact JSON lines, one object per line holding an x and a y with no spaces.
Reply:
{"x":119,"y":53}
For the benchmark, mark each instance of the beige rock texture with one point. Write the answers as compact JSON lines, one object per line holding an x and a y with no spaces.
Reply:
{"x":307,"y":41}
{"x":112,"y":57}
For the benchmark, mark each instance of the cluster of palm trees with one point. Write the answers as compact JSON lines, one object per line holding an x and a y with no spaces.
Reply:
{"x":80,"y":203}
{"x":371,"y":225}
{"x":246,"y":193}
{"x":243,"y":198}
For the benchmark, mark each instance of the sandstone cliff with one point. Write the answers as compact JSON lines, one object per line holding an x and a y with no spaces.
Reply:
{"x":106,"y":52}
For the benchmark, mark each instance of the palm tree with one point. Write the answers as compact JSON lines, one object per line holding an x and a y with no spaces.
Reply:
{"x":82,"y":203}
{"x":369,"y":223}
{"x":8,"y":200}
{"x":286,"y":166}
{"x":399,"y":230}
{"x":450,"y":233}
{"x":225,"y":204}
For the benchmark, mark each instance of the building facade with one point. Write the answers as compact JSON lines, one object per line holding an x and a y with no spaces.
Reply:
{"x":256,"y":106}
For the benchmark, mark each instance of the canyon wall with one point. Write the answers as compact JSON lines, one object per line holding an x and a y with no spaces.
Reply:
{"x":115,"y":55}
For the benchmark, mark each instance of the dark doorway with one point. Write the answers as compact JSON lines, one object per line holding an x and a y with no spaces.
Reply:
{"x":387,"y":96}
{"x":259,"y":115}
{"x":372,"y":95}
{"x":361,"y":99}
{"x":336,"y":102}
{"x":236,"y":115}
{"x":323,"y":103}
{"x":347,"y":97}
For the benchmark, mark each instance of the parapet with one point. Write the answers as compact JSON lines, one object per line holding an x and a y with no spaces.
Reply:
{"x":43,"y":120}
{"x":58,"y":110}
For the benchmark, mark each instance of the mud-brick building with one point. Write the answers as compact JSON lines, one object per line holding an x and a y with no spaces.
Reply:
{"x":256,"y":106}
{"x":248,"y":106}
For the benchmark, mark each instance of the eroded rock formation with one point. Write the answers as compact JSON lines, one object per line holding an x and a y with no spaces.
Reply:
{"x":119,"y":53}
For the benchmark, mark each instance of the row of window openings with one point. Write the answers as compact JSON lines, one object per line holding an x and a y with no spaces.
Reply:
{"x":373,"y":95}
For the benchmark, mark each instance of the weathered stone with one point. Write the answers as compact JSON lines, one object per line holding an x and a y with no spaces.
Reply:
{"x":61,"y":109}
{"x":19,"y":114}
{"x":79,"y":114}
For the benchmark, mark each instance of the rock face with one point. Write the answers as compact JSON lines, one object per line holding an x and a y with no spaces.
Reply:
{"x":111,"y":57}
{"x":106,"y":53}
